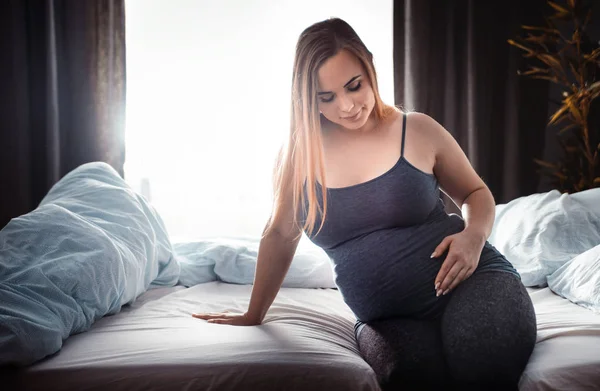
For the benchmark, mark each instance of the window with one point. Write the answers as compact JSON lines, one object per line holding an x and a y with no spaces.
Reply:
{"x":208,"y":96}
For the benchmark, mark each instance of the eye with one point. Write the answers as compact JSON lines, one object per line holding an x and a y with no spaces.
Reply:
{"x":327,"y":100}
{"x":355,"y":88}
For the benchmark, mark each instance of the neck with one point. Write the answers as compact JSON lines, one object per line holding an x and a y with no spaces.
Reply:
{"x":370,"y":126}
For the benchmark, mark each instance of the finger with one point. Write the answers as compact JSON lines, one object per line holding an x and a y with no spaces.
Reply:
{"x":220,"y":321}
{"x":450,"y":276}
{"x":470,"y":272}
{"x":207,"y":316}
{"x":463,"y":275}
{"x":446,"y":266}
{"x":201,"y":316}
{"x":442,"y":247}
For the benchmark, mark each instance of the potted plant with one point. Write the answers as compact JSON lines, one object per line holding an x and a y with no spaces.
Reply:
{"x":564,"y":54}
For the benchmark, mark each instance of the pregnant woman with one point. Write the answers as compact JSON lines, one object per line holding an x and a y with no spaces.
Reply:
{"x":437,"y":306}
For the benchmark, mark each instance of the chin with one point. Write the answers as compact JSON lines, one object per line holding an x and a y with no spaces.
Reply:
{"x":354,"y":126}
{"x":359,"y":124}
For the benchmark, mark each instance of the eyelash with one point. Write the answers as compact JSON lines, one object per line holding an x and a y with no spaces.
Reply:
{"x":353,"y":89}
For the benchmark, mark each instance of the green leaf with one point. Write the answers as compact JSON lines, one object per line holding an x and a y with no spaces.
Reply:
{"x":592,"y":56}
{"x":534,"y":71}
{"x":544,"y":29}
{"x":546,"y":164}
{"x":559,"y":114}
{"x":574,"y":109}
{"x":568,"y":127}
{"x":593,"y":86}
{"x":550,"y":60}
{"x":549,"y":78}
{"x":558,"y":8}
{"x":559,"y":175}
{"x":517,"y":44}
{"x":575,"y":71}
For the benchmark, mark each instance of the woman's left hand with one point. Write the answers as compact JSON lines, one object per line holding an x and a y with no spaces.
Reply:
{"x":464,"y":250}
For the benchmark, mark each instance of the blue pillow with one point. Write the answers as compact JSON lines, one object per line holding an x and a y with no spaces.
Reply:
{"x":578,"y":280}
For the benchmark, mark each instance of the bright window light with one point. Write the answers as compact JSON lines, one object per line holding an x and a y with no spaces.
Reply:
{"x":208,"y":97}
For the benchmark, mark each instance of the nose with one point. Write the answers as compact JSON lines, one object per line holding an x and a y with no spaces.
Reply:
{"x":345,"y":104}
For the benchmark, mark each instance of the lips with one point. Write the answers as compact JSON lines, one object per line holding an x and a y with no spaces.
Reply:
{"x":353,"y":117}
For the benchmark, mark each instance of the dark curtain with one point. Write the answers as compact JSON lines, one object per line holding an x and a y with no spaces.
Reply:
{"x":62,"y":72}
{"x":452,"y":61}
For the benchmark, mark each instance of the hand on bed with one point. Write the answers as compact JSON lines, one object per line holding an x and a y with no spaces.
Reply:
{"x":464,"y":250}
{"x":227,"y":318}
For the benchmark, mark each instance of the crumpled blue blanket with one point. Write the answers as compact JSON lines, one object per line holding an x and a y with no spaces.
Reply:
{"x":91,"y":246}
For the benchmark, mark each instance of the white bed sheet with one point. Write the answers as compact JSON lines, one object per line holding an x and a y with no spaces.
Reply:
{"x":567,"y":353}
{"x":305,"y":343}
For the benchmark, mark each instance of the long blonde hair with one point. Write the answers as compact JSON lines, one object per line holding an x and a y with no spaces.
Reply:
{"x":300,"y":162}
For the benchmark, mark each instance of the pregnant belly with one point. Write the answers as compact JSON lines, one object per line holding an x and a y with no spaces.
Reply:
{"x":390,"y":272}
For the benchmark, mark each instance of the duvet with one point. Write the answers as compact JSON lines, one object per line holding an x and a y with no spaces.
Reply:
{"x":90,"y":247}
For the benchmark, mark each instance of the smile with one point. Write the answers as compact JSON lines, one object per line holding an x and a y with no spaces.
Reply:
{"x":354,"y":117}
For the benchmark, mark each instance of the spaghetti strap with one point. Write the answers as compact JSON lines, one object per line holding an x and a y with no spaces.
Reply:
{"x":403,"y":133}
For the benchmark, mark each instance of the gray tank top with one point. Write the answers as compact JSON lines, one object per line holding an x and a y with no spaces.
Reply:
{"x":380,"y":234}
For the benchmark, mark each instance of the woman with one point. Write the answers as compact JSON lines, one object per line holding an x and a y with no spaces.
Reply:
{"x":436,"y":304}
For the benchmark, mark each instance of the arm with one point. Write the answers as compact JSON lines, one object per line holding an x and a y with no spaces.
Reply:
{"x":275,"y":254}
{"x":478,"y":210}
{"x":461,"y":183}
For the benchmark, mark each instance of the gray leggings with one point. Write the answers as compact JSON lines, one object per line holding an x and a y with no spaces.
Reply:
{"x":482,"y":341}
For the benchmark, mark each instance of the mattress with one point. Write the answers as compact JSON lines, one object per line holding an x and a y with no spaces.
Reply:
{"x":305,"y":343}
{"x":567,"y":352}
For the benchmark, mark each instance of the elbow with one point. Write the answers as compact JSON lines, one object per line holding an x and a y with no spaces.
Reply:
{"x":482,"y":190}
{"x":288,"y":234}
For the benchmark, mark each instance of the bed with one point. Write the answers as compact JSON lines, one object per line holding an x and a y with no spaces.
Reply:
{"x":567,"y":352}
{"x":96,"y":296}
{"x":305,"y":343}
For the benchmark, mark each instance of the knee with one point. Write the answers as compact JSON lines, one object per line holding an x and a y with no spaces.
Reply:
{"x":382,"y":358}
{"x":489,"y":340}
{"x":400,"y":363}
{"x":478,"y":360}
{"x":470,"y":371}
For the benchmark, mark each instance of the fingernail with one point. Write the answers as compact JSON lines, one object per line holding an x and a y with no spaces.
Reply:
{"x":437,"y":294}
{"x":432,"y":255}
{"x":437,"y":286}
{"x":446,"y":291}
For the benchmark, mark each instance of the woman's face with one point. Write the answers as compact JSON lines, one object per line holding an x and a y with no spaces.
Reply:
{"x":345,"y":96}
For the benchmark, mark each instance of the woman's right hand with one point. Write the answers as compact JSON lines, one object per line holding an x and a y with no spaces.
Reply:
{"x":227,"y":318}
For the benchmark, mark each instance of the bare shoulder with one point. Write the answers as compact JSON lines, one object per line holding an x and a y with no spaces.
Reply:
{"x":428,"y":129}
{"x":423,"y":122}
{"x":419,"y":147}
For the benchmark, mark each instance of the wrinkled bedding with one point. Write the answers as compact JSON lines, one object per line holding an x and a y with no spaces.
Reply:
{"x":94,"y":245}
{"x":306,"y":342}
{"x":539,"y":233}
{"x":90,"y":247}
{"x":72,"y":272}
{"x":567,"y":352}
